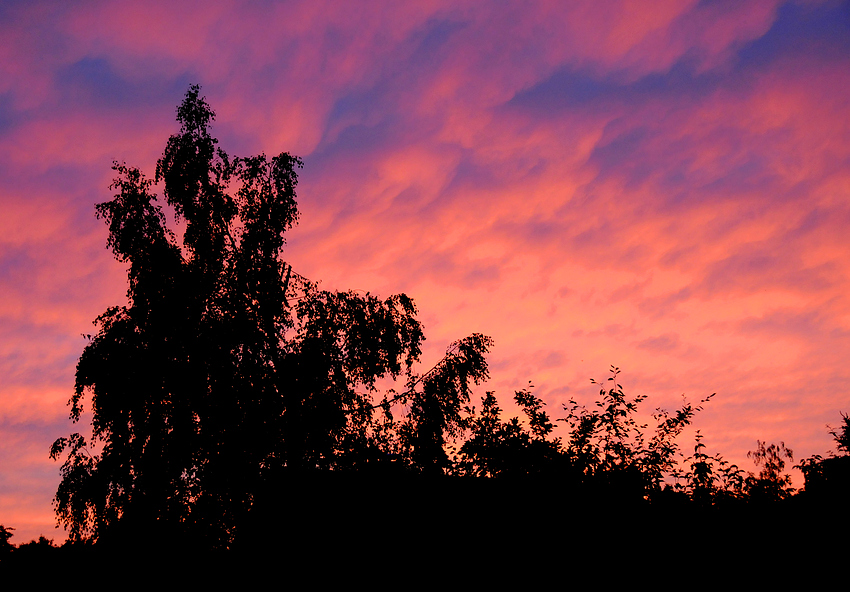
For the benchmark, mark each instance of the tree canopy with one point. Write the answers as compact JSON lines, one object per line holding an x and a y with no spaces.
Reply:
{"x":227,"y":368}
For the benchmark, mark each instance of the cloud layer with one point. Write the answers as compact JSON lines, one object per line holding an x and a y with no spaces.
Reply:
{"x":601,"y":183}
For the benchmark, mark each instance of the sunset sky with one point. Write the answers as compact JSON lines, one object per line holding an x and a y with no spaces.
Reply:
{"x":660,"y":185}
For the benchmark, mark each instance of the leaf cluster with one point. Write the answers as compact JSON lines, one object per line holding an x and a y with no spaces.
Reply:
{"x":609,"y":445}
{"x":771,"y":483}
{"x":510,"y":449}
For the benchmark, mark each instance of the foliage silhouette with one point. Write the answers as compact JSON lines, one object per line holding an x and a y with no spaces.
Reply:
{"x":770,"y":485}
{"x":509,"y":449}
{"x":710,"y":480}
{"x":611,"y":448}
{"x":227,"y":373}
{"x":842,"y":435}
{"x":828,"y":479}
{"x":6,"y":547}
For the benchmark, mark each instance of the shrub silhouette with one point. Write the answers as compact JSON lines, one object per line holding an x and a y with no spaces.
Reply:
{"x":828,"y":479}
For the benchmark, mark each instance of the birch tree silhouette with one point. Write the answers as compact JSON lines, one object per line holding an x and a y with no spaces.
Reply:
{"x":227,"y":371}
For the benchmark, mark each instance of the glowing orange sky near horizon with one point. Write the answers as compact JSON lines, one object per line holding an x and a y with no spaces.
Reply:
{"x":590,"y":183}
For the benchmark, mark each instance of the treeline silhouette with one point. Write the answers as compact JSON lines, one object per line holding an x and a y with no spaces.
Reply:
{"x":235,"y":404}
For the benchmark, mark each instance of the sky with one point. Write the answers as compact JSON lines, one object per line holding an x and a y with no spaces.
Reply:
{"x":662,"y":186}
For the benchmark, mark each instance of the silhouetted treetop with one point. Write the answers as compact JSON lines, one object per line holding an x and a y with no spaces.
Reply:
{"x":828,"y":479}
{"x":771,"y":484}
{"x":226,"y":369}
{"x":842,"y":435}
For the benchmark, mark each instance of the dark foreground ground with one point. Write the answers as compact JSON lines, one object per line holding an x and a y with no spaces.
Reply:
{"x":407,"y":531}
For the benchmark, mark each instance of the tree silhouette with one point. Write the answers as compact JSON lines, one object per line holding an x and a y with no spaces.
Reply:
{"x":227,"y":373}
{"x":771,"y":484}
{"x":828,"y":479}
{"x":6,"y":547}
